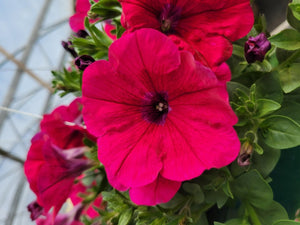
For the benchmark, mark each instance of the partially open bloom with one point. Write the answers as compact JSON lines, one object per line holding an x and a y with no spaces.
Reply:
{"x":56,"y":157}
{"x":51,"y":170}
{"x":83,"y":61}
{"x":160,"y":116}
{"x":81,"y":10}
{"x":256,"y":48}
{"x":206,"y":26}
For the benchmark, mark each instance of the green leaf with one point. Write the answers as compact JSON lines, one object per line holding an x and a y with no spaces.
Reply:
{"x":280,"y":132}
{"x":266,"y":106}
{"x":290,"y":77}
{"x":286,"y":222}
{"x":266,"y":162}
{"x":271,"y":214}
{"x":268,"y":87}
{"x":292,"y":15}
{"x":287,"y":39}
{"x":125,"y":217}
{"x":295,"y":8}
{"x":252,"y":188}
{"x":237,"y":221}
{"x":290,"y":108}
{"x":238,"y":51}
{"x":195,"y":190}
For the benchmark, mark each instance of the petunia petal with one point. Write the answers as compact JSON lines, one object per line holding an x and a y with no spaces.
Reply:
{"x":77,"y":21}
{"x":192,"y":146}
{"x":146,"y":57}
{"x":134,"y":153}
{"x":160,"y":191}
{"x":232,"y":19}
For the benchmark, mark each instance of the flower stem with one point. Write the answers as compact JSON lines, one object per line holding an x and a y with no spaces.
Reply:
{"x":252,"y":214}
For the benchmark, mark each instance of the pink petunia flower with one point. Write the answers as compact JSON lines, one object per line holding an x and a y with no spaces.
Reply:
{"x":56,"y":157}
{"x":76,"y":21}
{"x":205,"y":26}
{"x":51,"y":170}
{"x":160,"y":116}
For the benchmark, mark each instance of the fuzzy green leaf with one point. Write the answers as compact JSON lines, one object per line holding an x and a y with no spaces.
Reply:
{"x":290,"y":77}
{"x":268,"y":87}
{"x":287,"y":39}
{"x":266,"y":106}
{"x":125,"y":217}
{"x":252,"y":188}
{"x":280,"y":132}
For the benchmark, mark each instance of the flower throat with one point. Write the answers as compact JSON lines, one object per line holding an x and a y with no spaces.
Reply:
{"x":155,"y":107}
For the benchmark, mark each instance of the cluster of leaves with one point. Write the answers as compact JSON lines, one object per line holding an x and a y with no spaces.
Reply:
{"x":265,"y":96}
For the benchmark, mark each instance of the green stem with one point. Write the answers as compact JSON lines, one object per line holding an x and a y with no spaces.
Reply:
{"x":252,"y":214}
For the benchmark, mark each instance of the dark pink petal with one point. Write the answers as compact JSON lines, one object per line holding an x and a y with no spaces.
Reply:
{"x":213,"y":49}
{"x":140,"y":14}
{"x":62,"y":134}
{"x":132,"y":157}
{"x":103,"y":111}
{"x":222,"y":72}
{"x":193,"y":146}
{"x":160,"y":191}
{"x":146,"y":57}
{"x":53,"y":180}
{"x":82,"y":6}
{"x":35,"y":160}
{"x":77,"y":22}
{"x":232,"y":19}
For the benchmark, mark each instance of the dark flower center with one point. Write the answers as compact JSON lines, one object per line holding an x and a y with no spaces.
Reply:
{"x":155,"y":107}
{"x":169,"y":18}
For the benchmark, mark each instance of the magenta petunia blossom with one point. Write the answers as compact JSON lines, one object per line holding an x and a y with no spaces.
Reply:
{"x":56,"y":156}
{"x":76,"y":21}
{"x":160,"y":116}
{"x":206,"y":26}
{"x":51,"y":170}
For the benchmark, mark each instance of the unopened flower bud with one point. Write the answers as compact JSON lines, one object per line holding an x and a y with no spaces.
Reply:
{"x":67,"y":45}
{"x":35,"y":210}
{"x":256,"y":48}
{"x":82,"y":34}
{"x":83,"y":61}
{"x":91,"y":15}
{"x":245,"y":154}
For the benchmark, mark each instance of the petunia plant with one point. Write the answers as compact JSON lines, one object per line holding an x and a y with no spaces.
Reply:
{"x":182,"y":111}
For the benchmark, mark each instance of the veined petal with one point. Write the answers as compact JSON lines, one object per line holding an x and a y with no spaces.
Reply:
{"x":232,"y":19}
{"x":160,"y":191}
{"x":132,"y":157}
{"x":146,"y":57}
{"x":192,"y":147}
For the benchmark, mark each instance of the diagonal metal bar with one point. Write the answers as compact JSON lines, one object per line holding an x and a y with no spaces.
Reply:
{"x":22,"y":67}
{"x":11,"y":156}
